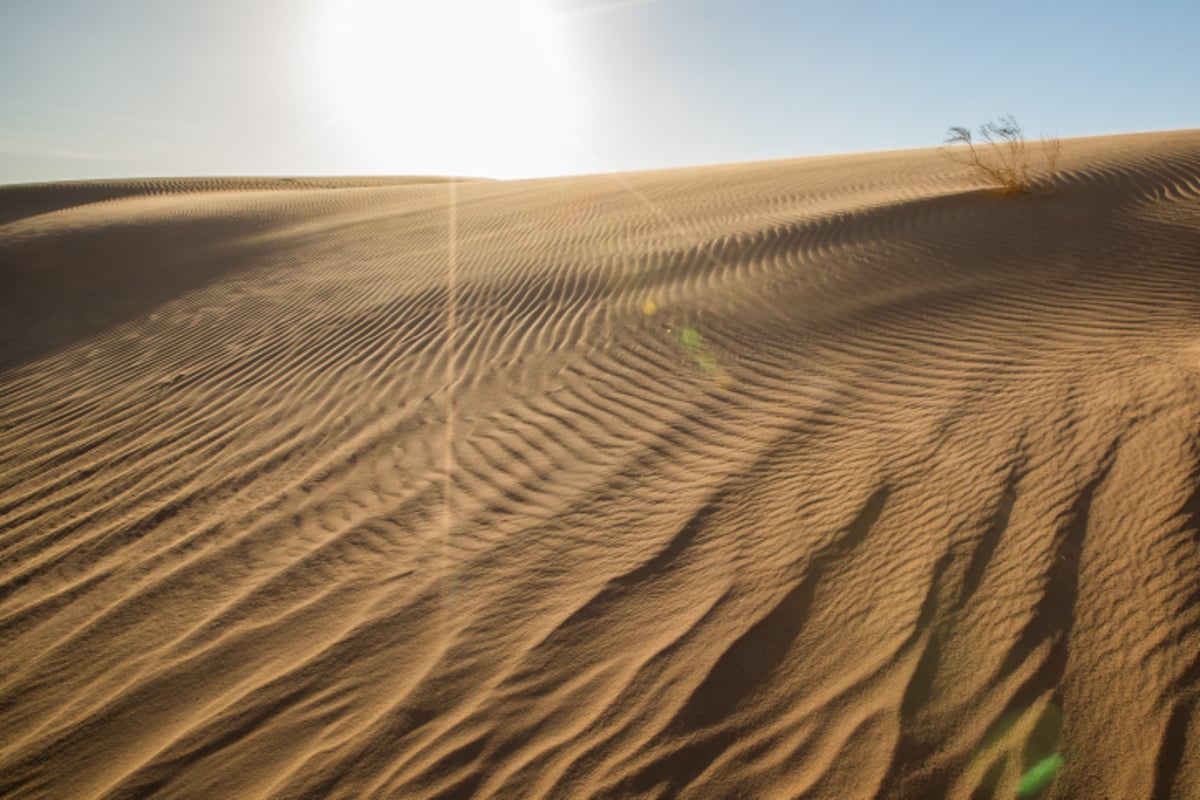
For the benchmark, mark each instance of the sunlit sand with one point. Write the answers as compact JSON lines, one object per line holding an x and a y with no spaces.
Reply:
{"x":834,"y":478}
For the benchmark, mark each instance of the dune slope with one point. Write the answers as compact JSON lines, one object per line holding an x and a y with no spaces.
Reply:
{"x":835,"y":477}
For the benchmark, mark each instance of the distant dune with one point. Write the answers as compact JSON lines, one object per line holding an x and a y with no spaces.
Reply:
{"x":830,"y":478}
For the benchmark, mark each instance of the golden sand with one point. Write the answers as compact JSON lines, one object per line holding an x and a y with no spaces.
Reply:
{"x":827,"y":478}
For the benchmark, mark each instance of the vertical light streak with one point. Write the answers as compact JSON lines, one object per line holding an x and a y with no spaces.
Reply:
{"x":449,"y":582}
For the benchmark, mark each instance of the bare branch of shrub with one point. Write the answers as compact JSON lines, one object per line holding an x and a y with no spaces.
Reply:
{"x":1002,"y":157}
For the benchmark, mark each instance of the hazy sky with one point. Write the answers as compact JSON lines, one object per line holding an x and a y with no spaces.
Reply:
{"x":516,"y":88}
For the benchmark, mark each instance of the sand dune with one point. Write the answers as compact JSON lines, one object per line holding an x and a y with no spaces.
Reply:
{"x":835,"y":477}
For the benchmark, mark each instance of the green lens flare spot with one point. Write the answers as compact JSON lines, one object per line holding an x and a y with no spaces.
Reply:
{"x":1041,"y":776}
{"x":693,"y":342}
{"x":690,"y":337}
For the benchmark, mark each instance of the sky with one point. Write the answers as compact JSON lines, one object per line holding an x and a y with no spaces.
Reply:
{"x":531,"y":88}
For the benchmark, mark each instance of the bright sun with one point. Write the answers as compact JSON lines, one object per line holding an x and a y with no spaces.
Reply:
{"x":468,"y":87}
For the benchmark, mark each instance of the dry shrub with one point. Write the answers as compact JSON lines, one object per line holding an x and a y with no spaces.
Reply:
{"x":1003,"y":157}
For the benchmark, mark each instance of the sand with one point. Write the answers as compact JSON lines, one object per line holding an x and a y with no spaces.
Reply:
{"x":835,"y":478}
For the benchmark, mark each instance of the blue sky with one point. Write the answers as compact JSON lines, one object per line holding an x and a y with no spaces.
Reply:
{"x":524,"y":88}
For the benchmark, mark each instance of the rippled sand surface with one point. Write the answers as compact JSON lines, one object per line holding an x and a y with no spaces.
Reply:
{"x":826,"y":478}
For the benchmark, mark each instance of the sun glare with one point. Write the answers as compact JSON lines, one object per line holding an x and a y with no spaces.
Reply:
{"x":469,"y":87}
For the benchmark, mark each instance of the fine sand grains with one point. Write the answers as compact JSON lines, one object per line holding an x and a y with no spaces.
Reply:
{"x":836,"y":477}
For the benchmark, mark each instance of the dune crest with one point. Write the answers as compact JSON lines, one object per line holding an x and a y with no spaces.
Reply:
{"x":835,"y":477}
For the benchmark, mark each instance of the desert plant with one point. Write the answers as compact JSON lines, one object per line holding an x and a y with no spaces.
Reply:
{"x":1003,"y":158}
